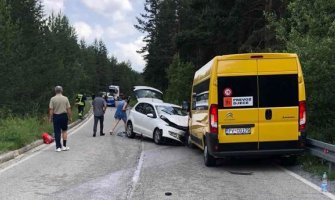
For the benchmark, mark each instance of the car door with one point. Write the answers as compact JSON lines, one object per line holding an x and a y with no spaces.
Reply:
{"x":138,"y":115}
{"x":278,"y":102}
{"x":149,"y":123}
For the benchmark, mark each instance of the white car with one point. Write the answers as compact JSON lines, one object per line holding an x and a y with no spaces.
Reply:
{"x":157,"y":120}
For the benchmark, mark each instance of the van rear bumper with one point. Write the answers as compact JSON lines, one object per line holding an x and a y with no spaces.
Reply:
{"x":218,"y":150}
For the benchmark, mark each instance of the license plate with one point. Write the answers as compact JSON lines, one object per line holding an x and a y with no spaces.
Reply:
{"x":237,"y":131}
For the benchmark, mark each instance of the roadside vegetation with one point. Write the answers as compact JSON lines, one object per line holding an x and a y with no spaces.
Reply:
{"x":16,"y":132}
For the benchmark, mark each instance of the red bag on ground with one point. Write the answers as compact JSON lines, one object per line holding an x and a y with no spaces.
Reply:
{"x":47,"y":139}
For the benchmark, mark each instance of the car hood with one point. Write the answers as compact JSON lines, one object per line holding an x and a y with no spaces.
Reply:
{"x":176,"y":121}
{"x":145,"y":93}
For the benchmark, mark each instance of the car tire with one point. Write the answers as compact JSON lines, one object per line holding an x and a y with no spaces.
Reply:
{"x":157,"y":136}
{"x":210,"y":161}
{"x":130,"y":132}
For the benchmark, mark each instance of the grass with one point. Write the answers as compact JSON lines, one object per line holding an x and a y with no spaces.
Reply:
{"x":316,"y":166}
{"x":16,"y":132}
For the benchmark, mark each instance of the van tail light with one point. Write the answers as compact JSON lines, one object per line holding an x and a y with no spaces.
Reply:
{"x":213,"y":118}
{"x":302,"y":116}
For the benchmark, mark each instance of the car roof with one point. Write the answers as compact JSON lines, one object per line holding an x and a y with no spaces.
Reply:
{"x":157,"y":103}
{"x":146,"y":88}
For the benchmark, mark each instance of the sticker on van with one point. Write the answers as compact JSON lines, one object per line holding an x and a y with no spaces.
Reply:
{"x":238,"y":101}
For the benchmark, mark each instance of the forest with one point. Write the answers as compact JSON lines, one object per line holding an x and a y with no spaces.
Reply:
{"x":39,"y":52}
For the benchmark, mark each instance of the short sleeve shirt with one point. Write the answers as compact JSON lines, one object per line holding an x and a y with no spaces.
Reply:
{"x":98,"y":106}
{"x":59,"y":104}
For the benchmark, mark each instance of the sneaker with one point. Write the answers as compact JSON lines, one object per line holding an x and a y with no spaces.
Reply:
{"x":94,"y":134}
{"x":58,"y":150}
{"x":102,"y":134}
{"x":65,"y":148}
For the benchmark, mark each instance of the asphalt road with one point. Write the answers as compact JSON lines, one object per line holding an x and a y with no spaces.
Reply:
{"x":115,"y":167}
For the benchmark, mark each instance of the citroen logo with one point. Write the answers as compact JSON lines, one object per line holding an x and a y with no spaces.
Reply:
{"x":229,"y":115}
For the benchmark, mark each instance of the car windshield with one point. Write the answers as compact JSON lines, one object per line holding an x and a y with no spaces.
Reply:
{"x":171,"y":110}
{"x":146,"y":93}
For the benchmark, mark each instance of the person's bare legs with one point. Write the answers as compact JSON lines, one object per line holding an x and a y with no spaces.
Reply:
{"x":125,"y":125}
{"x":112,"y":131}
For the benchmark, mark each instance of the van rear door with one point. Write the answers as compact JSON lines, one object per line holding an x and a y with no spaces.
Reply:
{"x":278,"y":103}
{"x":237,"y":105}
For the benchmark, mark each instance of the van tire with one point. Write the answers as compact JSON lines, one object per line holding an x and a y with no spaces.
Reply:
{"x":157,"y":136}
{"x":130,"y":131}
{"x":210,"y":161}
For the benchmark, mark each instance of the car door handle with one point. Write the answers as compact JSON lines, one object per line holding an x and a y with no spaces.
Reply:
{"x":268,"y":114}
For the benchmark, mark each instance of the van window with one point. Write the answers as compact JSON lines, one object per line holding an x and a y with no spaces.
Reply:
{"x":278,"y":90}
{"x":243,"y":92}
{"x":200,"y":100}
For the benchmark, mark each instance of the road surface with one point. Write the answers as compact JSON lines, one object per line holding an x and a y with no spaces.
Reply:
{"x":115,"y":167}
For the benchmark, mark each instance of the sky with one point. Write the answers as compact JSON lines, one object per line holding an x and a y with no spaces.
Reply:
{"x":112,"y":21}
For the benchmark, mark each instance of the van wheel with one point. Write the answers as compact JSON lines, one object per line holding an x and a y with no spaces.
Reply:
{"x":157,"y":136}
{"x":130,"y":132}
{"x":210,"y":161}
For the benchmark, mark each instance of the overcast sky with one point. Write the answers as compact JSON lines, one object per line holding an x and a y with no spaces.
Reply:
{"x":110,"y":20}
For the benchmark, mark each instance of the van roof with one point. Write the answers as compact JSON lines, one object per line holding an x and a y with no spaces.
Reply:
{"x":204,"y":72}
{"x":247,"y":56}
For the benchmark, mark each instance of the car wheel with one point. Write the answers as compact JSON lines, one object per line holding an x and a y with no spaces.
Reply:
{"x":210,"y":161}
{"x":130,"y":132}
{"x":157,"y":136}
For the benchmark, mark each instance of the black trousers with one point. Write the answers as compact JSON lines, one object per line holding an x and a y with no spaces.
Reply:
{"x":81,"y":109}
{"x":96,"y":119}
{"x":60,"y":124}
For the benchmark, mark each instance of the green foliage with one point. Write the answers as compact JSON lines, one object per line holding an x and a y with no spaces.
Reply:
{"x":17,"y":132}
{"x":309,"y":30}
{"x":180,"y":76}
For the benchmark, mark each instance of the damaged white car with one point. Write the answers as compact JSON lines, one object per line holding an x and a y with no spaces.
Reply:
{"x":157,"y":120}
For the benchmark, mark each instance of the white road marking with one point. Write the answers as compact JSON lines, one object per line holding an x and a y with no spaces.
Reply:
{"x":307,"y":182}
{"x":137,"y":173}
{"x":44,"y":147}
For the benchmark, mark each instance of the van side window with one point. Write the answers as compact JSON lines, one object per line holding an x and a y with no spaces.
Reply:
{"x":200,"y":100}
{"x":278,"y":90}
{"x":242,"y":92}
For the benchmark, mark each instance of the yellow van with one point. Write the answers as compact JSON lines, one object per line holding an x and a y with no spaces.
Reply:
{"x":248,"y":104}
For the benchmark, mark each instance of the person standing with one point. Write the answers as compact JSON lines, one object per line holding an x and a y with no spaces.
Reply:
{"x":60,"y":113}
{"x":99,"y":108}
{"x":80,"y":102}
{"x":120,"y":113}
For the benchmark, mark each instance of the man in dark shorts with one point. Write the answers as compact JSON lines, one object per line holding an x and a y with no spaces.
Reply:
{"x":99,"y":108}
{"x":60,"y":113}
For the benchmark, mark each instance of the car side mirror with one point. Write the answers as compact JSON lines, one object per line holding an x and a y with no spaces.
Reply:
{"x":150,"y":115}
